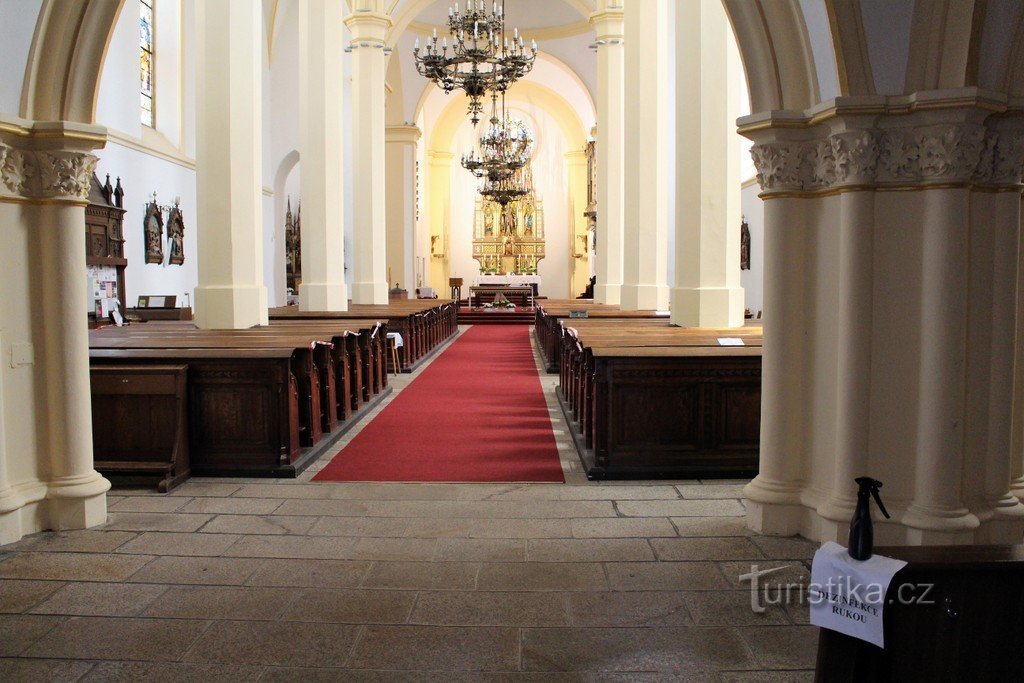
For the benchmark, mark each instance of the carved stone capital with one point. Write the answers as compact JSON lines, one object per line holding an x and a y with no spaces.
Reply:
{"x":46,"y":174}
{"x":925,"y":155}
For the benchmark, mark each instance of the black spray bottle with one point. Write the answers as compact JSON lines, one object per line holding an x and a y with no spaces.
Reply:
{"x":862,"y":534}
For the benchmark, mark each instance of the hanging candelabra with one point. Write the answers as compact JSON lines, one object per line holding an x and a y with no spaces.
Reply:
{"x":505,"y":147}
{"x":518,"y":184}
{"x":480,"y":59}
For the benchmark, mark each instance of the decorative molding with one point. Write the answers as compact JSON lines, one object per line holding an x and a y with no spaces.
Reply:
{"x":947,"y":154}
{"x":46,"y":174}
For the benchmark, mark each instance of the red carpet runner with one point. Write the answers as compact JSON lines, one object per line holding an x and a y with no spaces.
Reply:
{"x":476,"y":414}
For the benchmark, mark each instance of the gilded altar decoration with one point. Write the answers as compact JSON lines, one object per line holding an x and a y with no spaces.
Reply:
{"x":293,"y":246}
{"x":509,"y":239}
{"x":175,"y":234}
{"x":153,"y":231}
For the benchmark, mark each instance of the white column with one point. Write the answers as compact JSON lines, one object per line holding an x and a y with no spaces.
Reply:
{"x":610,"y":149}
{"x":707,"y":290}
{"x":369,"y":263}
{"x":321,"y":152}
{"x":645,"y":244}
{"x":579,"y":267}
{"x":401,"y":204}
{"x":229,"y":187}
{"x":439,"y":216}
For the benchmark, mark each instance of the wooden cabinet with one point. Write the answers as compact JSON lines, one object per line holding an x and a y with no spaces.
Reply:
{"x":104,"y":233}
{"x":954,"y":613}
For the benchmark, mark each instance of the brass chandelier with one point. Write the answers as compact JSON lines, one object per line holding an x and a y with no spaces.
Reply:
{"x":481,"y":57}
{"x":508,"y":189}
{"x":505,"y":147}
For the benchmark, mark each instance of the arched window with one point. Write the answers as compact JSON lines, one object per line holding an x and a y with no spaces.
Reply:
{"x":146,"y":61}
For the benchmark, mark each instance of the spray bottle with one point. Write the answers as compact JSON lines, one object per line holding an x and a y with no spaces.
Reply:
{"x":862,"y":534}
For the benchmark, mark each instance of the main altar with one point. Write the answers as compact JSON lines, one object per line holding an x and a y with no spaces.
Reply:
{"x":509,"y":239}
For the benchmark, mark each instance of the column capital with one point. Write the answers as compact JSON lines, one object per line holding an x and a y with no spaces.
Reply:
{"x":369,"y":29}
{"x":438,"y":156}
{"x":402,"y":134}
{"x":42,"y":162}
{"x":608,"y":22}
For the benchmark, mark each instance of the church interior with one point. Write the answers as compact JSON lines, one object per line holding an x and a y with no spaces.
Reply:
{"x":511,"y":340}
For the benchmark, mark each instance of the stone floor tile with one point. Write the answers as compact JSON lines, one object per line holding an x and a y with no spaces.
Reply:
{"x":263,"y":525}
{"x":735,"y":548}
{"x":710,"y":490}
{"x":680,"y":508}
{"x":296,"y":547}
{"x":621,"y":609}
{"x":232,"y":506}
{"x":423,"y":575}
{"x":19,"y":631}
{"x":483,"y":608}
{"x":112,"y":638}
{"x":438,"y":528}
{"x":731,"y":608}
{"x":781,"y":548}
{"x":711,"y":526}
{"x":623,"y":527}
{"x":646,"y":576}
{"x":153,"y":521}
{"x":357,"y":526}
{"x":293,"y":491}
{"x":20,"y":670}
{"x":172,"y":672}
{"x":176,"y":543}
{"x":219,"y":602}
{"x":362,"y":606}
{"x":481,"y":550}
{"x":100,"y":599}
{"x":149,"y":504}
{"x":521,"y":528}
{"x":274,"y":643}
{"x":394,"y":549}
{"x":783,"y":647}
{"x":311,"y":573}
{"x":17,"y":595}
{"x":437,"y":648}
{"x":77,"y":541}
{"x":678,"y":650}
{"x":197,"y":486}
{"x":198,"y":570}
{"x":72,"y":566}
{"x":588,"y":550}
{"x":542,"y":576}
{"x":394,"y":491}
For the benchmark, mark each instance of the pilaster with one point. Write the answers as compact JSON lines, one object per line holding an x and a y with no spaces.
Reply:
{"x":229,"y":188}
{"x":400,"y":167}
{"x":645,"y":243}
{"x":369,"y":262}
{"x":321,"y":151}
{"x":608,"y":24}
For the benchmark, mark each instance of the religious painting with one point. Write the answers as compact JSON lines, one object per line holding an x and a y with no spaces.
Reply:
{"x":528,"y":223}
{"x":488,"y":223}
{"x":744,"y":245}
{"x":153,"y":231}
{"x":175,"y":235}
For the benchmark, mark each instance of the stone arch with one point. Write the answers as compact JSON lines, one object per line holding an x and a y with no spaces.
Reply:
{"x":66,"y":58}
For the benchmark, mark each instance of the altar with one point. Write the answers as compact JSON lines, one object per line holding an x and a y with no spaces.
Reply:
{"x":532,"y":281}
{"x":508,"y":239}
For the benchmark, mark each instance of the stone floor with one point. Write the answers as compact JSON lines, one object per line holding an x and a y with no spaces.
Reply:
{"x":291,"y":580}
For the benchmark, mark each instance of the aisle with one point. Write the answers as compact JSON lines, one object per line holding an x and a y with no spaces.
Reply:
{"x":476,"y":414}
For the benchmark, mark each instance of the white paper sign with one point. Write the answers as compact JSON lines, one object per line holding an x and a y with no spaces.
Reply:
{"x":848,"y":595}
{"x":730,"y":341}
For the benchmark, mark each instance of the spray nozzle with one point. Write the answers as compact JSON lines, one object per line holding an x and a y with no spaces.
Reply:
{"x":870,"y":486}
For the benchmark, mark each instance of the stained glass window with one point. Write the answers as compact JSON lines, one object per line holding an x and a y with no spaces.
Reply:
{"x":146,"y":59}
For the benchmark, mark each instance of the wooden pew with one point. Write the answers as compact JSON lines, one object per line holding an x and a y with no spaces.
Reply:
{"x":645,"y":399}
{"x":548,"y":318}
{"x":140,"y":422}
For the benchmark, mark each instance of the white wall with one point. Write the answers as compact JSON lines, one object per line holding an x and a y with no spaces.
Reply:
{"x":17,"y":25}
{"x":753,"y":279}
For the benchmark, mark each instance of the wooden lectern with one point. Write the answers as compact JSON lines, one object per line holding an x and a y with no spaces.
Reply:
{"x":456,"y":284}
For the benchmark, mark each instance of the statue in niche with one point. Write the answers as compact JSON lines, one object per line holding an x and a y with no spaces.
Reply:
{"x":744,"y":245}
{"x":176,"y":234}
{"x":508,"y":247}
{"x":488,"y":224}
{"x":528,"y":222}
{"x":153,"y":231}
